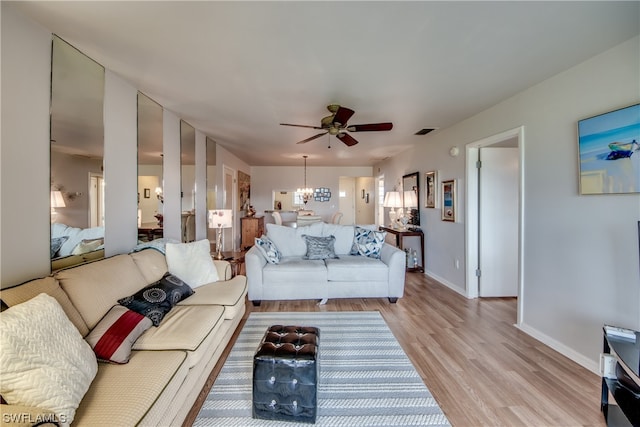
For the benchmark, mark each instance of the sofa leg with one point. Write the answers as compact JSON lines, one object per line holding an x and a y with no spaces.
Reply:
{"x":393,"y":300}
{"x":256,"y":303}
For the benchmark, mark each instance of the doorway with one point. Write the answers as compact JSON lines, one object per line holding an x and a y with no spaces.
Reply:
{"x":494,"y":216}
{"x":96,"y":200}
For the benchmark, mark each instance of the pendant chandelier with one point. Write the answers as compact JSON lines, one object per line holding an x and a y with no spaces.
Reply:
{"x":306,"y":193}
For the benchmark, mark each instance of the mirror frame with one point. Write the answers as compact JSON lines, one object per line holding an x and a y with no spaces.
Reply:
{"x":408,"y":181}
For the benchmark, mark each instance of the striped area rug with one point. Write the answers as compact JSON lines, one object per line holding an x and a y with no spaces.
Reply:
{"x":366,"y":379}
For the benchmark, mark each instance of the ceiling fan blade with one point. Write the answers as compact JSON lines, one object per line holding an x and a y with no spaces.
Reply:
{"x":301,"y":126}
{"x":372,"y":127}
{"x":343,"y":115}
{"x":312,"y":138}
{"x":347,"y":139}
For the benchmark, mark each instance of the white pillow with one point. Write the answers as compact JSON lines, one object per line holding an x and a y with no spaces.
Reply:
{"x":192,"y":262}
{"x":44,"y":361}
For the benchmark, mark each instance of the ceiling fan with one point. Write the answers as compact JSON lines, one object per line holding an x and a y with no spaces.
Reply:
{"x":336,"y":124}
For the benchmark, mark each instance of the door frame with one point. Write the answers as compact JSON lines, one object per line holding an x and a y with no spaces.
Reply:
{"x":472,"y":207}
{"x":230,"y":200}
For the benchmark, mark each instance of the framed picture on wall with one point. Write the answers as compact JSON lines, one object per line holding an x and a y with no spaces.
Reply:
{"x":449,"y":200}
{"x":608,"y":146}
{"x":431,"y":189}
{"x":244,"y":190}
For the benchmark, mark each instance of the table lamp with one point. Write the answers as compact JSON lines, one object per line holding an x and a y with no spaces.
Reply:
{"x":220,"y":218}
{"x":392,"y":200}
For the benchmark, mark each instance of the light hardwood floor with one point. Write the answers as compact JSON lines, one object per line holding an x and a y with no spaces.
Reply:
{"x":481,"y":369}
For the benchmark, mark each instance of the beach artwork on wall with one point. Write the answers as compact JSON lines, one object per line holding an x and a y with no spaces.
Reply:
{"x":609,"y":150}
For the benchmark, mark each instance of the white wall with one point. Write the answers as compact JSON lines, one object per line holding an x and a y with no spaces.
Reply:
{"x":120,"y":164}
{"x":24,"y":175}
{"x":580,"y":252}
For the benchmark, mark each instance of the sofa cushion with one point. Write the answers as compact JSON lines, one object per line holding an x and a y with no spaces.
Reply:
{"x":229,"y":294}
{"x":295,"y":269}
{"x":319,"y":247}
{"x":152,"y":264}
{"x":123,"y":395}
{"x":51,"y":287}
{"x":356,"y":268}
{"x":96,"y":287}
{"x":343,"y":235}
{"x":114,"y":335}
{"x":44,"y":360}
{"x":185,"y":328}
{"x":268,"y":249}
{"x":367,"y":242}
{"x":192,"y":262}
{"x":157,"y":299}
{"x":289,"y":240}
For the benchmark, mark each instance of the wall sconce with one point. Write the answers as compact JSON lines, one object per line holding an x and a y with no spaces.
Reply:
{"x":159,"y":194}
{"x":363,"y":194}
{"x":71,"y":196}
{"x":454,"y":151}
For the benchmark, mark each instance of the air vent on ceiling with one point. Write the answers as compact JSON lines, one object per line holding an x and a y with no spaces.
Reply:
{"x":425,"y":131}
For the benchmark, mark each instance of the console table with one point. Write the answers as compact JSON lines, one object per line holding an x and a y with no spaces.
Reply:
{"x":400,"y":235}
{"x":621,"y":382}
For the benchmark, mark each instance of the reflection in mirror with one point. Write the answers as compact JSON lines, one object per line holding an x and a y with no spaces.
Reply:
{"x":211,"y":183}
{"x":287,"y":200}
{"x":150,"y":197}
{"x":77,"y":139}
{"x":188,"y":180}
{"x":411,"y":197}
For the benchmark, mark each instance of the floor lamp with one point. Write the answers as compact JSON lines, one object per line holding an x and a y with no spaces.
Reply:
{"x":220,"y":218}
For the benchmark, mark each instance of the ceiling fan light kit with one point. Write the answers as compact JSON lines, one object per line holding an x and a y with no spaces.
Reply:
{"x":336,"y":125}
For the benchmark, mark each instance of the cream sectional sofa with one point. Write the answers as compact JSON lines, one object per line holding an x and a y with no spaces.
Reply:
{"x":169,"y":364}
{"x":348,"y":276}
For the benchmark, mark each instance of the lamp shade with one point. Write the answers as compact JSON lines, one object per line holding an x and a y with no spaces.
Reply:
{"x":392,"y":200}
{"x":410,"y":199}
{"x":57,"y":201}
{"x":220,"y":218}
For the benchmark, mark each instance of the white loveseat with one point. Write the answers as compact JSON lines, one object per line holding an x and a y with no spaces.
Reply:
{"x":348,"y":276}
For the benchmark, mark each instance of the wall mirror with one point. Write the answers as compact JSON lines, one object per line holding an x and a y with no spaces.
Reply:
{"x":286,"y":200}
{"x":211,"y":183}
{"x":411,"y":197}
{"x":188,"y":181}
{"x":150,"y":179}
{"x":77,"y":151}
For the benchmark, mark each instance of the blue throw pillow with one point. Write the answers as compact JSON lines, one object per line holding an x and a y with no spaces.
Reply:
{"x":320,"y":247}
{"x":268,"y":249}
{"x":56,"y":244}
{"x":157,"y":299}
{"x":367,"y":242}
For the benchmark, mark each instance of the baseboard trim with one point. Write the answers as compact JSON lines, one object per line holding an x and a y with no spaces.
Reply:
{"x":580,"y":359}
{"x":447,"y":283}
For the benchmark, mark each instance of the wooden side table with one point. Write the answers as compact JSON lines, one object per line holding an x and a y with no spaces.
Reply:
{"x":236,"y":259}
{"x":400,"y":235}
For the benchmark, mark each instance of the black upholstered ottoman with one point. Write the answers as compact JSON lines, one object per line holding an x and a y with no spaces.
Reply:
{"x":285,"y":374}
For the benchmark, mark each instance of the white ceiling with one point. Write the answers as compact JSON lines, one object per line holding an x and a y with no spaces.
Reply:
{"x":235,"y":70}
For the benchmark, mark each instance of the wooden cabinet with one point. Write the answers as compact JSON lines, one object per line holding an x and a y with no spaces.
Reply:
{"x":252,"y":227}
